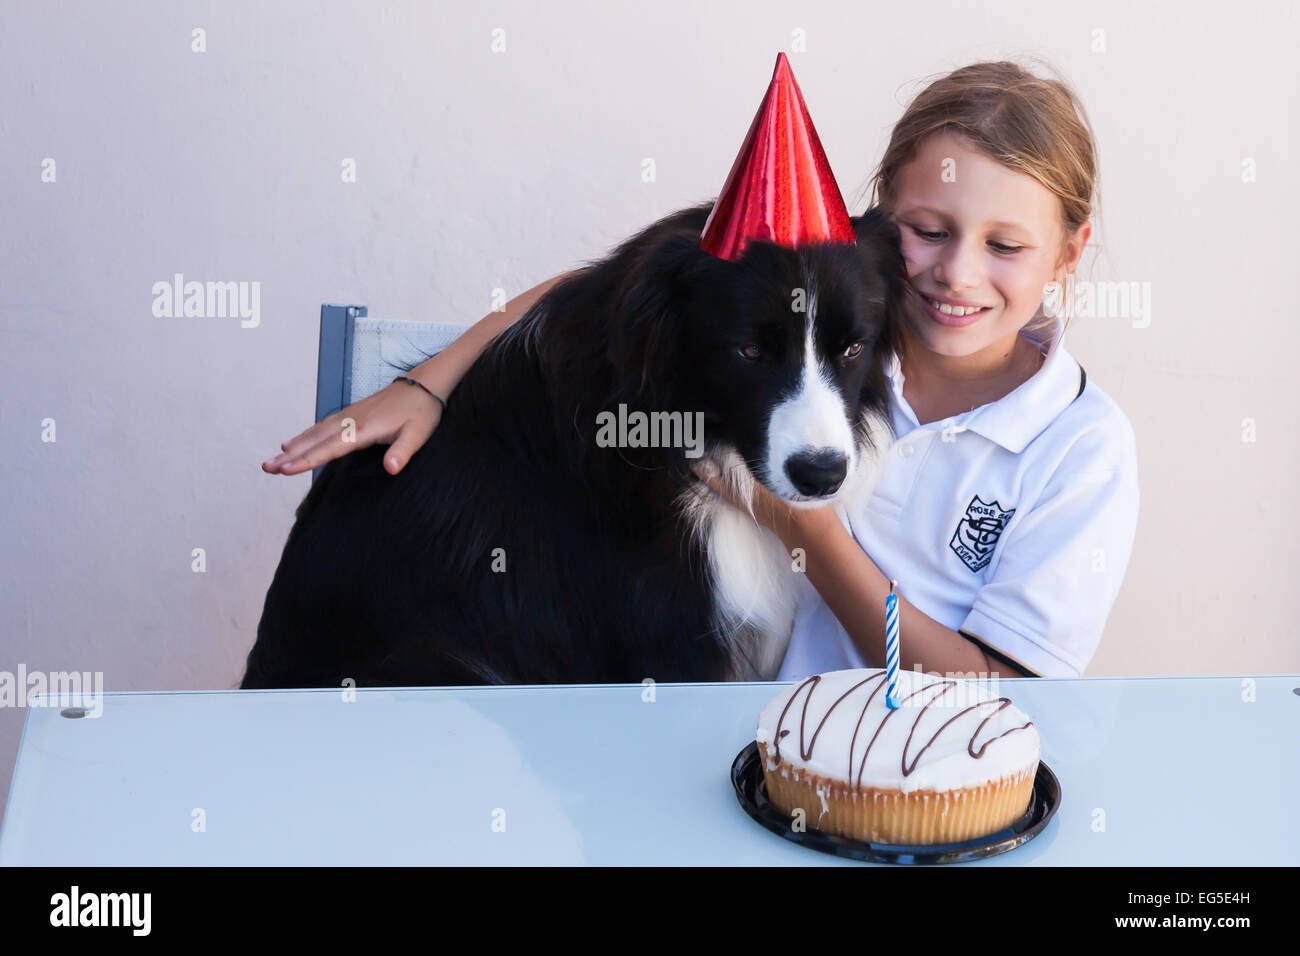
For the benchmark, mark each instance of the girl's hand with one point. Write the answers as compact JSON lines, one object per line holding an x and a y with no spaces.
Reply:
{"x":401,"y":415}
{"x":768,"y":510}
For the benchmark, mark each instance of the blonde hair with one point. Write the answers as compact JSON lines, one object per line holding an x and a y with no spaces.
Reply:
{"x":1030,"y":124}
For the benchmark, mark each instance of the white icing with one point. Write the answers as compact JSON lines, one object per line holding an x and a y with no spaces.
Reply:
{"x":945,"y":764}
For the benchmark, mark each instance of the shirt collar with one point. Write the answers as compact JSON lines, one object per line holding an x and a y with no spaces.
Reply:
{"x":1017,"y":418}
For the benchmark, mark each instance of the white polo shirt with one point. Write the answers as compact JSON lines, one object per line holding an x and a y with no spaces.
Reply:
{"x":1012,"y":523}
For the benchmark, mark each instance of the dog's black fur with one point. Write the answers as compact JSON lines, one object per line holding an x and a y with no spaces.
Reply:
{"x":390,"y":580}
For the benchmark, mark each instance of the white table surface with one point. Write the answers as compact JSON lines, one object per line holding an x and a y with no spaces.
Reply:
{"x":1163,"y":771}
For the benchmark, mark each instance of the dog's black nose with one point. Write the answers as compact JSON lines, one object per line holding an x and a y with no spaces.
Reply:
{"x":817,"y":473}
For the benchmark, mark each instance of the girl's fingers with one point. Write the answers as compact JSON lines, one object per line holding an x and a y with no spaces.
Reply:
{"x":276,"y":465}
{"x":307,"y":438}
{"x":299,"y":443}
{"x":323,"y":442}
{"x":716,"y":484}
{"x":410,"y":438}
{"x":401,"y":450}
{"x":323,"y":451}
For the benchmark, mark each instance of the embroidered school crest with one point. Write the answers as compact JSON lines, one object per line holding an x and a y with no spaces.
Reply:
{"x":978,"y":532}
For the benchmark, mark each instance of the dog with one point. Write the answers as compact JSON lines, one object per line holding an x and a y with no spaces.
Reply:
{"x":516,"y":547}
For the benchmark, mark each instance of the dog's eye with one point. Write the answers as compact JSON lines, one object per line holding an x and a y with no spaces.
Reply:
{"x":853,"y":351}
{"x":751,"y":352}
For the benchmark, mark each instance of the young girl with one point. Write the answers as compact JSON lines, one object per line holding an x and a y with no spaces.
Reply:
{"x":1007,"y":507}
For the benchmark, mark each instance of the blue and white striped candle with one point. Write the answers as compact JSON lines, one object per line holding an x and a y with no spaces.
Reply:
{"x":891,"y":647}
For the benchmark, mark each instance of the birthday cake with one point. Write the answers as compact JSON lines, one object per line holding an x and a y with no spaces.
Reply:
{"x":953,"y":762}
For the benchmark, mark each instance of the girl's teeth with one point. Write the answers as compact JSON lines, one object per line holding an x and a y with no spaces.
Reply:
{"x":957,"y":310}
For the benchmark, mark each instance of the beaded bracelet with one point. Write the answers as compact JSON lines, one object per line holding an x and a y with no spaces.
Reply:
{"x":414,"y":382}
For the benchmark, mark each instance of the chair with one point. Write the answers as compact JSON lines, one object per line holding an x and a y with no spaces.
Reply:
{"x":359,"y":355}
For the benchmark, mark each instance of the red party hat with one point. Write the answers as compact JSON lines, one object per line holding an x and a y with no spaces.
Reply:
{"x":780,"y":188}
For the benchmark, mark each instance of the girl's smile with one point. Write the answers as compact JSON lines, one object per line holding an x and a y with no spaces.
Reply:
{"x":953,"y":313}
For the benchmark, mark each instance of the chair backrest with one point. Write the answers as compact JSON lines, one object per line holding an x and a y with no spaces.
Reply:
{"x":359,"y":355}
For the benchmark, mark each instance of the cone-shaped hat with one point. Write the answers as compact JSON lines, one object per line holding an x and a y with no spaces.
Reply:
{"x":780,"y":188}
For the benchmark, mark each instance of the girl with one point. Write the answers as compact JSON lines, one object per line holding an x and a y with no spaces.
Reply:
{"x":1007,"y":507}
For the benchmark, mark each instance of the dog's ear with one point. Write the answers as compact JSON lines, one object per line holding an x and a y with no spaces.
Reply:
{"x":648,"y":304}
{"x":879,"y":245}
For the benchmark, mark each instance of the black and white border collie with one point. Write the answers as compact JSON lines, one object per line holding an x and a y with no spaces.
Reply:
{"x":516,"y":548}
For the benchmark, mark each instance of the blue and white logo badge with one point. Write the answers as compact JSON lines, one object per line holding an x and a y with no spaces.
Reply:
{"x":978,"y":532}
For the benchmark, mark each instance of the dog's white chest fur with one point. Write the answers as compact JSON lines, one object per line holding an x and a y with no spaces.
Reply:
{"x":756,"y":590}
{"x":756,"y":582}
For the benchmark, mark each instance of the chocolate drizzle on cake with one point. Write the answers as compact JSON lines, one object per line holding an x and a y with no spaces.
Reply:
{"x":946,"y":685}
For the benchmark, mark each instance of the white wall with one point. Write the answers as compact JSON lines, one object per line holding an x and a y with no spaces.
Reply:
{"x":480,"y":170}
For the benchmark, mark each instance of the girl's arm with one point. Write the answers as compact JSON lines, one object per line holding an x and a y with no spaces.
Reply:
{"x":443,"y":372}
{"x":855,"y":589}
{"x":399,"y":414}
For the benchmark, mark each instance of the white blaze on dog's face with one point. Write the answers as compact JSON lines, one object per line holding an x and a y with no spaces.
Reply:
{"x":810,"y":446}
